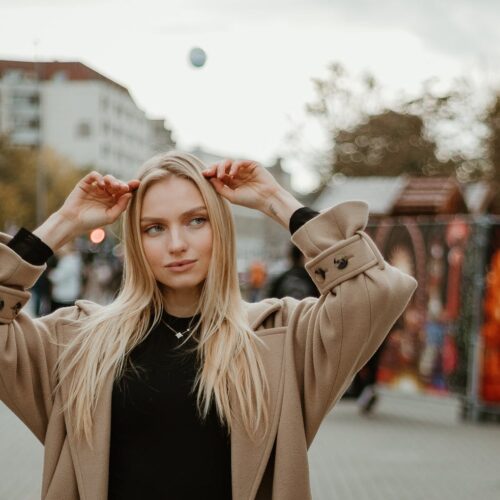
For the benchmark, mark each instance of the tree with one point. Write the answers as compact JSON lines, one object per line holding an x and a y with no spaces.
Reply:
{"x":17,"y":189}
{"x":493,"y":141}
{"x":387,"y":144}
{"x":18,"y":167}
{"x":436,"y":132}
{"x":456,"y":120}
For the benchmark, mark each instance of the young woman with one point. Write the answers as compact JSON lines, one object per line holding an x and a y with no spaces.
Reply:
{"x":179,"y":389}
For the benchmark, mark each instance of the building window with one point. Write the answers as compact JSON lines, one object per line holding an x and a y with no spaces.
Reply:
{"x":83,"y":129}
{"x":13,"y":75}
{"x":60,"y":76}
{"x":104,"y":103}
{"x":19,"y":99}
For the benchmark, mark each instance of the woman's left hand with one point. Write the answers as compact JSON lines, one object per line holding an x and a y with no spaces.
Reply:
{"x":245,"y":183}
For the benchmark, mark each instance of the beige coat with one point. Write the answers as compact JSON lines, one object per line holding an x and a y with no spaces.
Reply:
{"x":313,"y":349}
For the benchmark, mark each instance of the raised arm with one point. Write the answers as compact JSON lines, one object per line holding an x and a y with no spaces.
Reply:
{"x":330,"y":338}
{"x":94,"y":202}
{"x":249,"y":184}
{"x":27,"y":346}
{"x":362,"y":296}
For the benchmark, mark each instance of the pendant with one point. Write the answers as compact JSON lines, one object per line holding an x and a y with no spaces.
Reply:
{"x":181,"y":334}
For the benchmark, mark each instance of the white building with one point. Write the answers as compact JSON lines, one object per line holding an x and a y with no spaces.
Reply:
{"x":78,"y":112}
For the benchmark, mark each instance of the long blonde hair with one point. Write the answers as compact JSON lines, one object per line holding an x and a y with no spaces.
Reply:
{"x":227,"y":349}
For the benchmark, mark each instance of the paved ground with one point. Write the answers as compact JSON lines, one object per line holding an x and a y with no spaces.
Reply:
{"x":411,"y":448}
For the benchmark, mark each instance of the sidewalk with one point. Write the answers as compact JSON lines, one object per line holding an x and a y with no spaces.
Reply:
{"x":411,"y":448}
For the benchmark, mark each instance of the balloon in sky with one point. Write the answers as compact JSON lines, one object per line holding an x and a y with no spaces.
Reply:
{"x":197,"y":57}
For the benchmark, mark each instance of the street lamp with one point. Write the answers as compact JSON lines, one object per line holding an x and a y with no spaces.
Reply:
{"x":41,"y":192}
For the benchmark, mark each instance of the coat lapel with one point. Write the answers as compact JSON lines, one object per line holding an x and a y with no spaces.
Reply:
{"x":248,"y":459}
{"x":91,"y":462}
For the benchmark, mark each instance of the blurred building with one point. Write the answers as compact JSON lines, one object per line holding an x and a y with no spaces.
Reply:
{"x":406,"y":195}
{"x":379,"y":192}
{"x":161,"y":139}
{"x":80,"y":113}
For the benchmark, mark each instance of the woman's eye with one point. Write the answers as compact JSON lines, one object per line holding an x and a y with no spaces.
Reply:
{"x":198,"y":221}
{"x":153,"y":229}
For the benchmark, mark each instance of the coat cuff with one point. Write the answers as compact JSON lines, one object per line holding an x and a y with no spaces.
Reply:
{"x":335,"y":245}
{"x":16,"y":276}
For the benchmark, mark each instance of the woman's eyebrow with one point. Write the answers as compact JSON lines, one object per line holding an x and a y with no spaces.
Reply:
{"x":187,"y":212}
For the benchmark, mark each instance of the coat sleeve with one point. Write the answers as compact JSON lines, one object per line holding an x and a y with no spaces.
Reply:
{"x":28,"y":349}
{"x":331,"y":338}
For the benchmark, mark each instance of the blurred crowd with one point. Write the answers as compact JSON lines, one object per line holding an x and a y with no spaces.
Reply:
{"x":74,"y":274}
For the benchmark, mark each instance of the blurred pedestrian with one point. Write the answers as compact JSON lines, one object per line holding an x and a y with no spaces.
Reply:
{"x":295,"y":281}
{"x":365,"y":383}
{"x":66,"y":277}
{"x":99,"y":277}
{"x":42,"y":290}
{"x":367,"y":378}
{"x":257,"y":276}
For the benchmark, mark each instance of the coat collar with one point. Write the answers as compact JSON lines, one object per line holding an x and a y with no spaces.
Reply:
{"x":248,"y":459}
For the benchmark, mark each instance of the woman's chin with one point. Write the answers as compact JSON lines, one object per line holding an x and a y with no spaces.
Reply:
{"x":181,"y":283}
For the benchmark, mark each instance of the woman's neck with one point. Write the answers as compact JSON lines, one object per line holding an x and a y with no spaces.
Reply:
{"x":180,"y":303}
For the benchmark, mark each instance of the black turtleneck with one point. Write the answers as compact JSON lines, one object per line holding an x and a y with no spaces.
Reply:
{"x":160,"y":446}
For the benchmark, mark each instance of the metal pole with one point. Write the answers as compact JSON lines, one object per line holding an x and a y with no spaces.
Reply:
{"x":480,"y":243}
{"x":41,"y":205}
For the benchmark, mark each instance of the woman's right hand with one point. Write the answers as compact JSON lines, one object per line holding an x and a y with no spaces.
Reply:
{"x":95,"y":201}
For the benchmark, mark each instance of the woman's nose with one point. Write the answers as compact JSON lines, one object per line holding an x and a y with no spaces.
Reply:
{"x":177,"y":242}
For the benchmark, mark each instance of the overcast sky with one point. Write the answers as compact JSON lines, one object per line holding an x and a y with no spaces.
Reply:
{"x":262,"y":55}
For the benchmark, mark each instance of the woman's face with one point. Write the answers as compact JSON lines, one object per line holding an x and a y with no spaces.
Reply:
{"x":175,"y":228}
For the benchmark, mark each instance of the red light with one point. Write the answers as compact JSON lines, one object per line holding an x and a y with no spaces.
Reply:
{"x":97,"y":235}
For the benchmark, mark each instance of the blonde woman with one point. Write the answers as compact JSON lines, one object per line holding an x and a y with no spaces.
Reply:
{"x":179,"y":389}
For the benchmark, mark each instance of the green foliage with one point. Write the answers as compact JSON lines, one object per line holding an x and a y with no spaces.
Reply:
{"x":493,"y":121}
{"x":368,"y":136}
{"x":18,"y":174}
{"x":387,"y":144}
{"x":18,"y":186}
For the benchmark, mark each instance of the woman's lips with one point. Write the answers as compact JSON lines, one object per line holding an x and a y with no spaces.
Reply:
{"x":181,"y":267}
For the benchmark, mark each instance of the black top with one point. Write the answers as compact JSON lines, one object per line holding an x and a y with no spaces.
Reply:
{"x":160,"y":447}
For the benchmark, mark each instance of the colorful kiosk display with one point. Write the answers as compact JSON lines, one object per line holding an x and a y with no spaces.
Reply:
{"x":448,"y":339}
